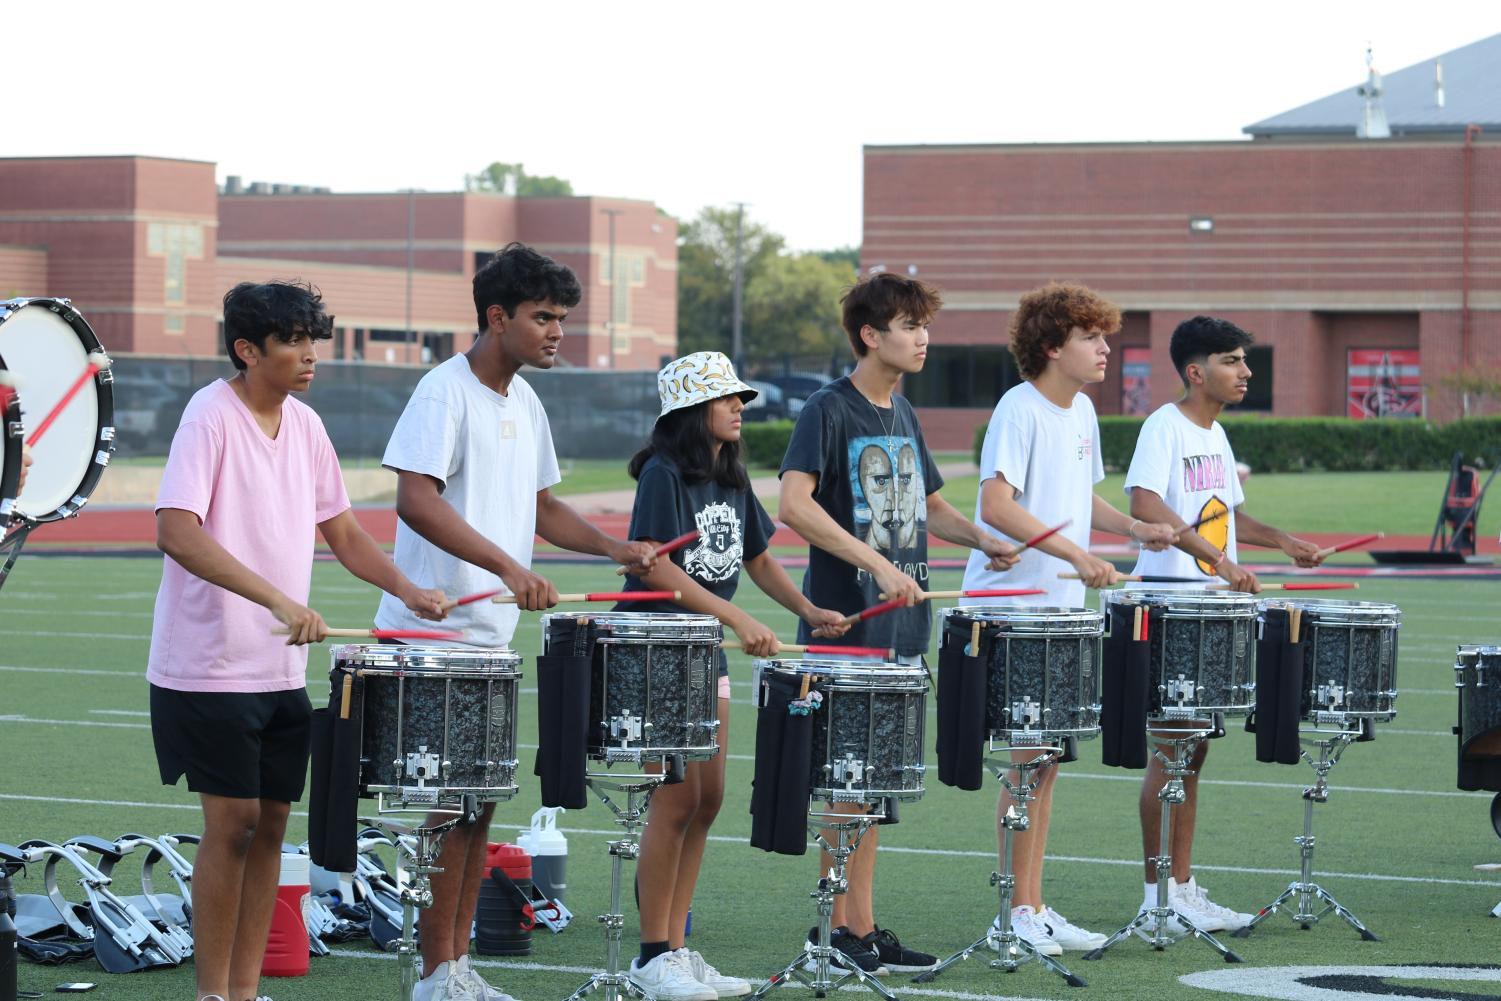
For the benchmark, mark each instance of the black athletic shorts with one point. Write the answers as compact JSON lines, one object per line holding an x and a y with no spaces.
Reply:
{"x":246,"y":745}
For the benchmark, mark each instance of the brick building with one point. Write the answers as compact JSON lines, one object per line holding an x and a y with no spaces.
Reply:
{"x":1366,"y":268}
{"x":146,"y":248}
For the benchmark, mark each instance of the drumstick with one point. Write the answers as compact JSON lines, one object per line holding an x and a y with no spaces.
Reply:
{"x":1144,"y":577}
{"x":1034,"y":540}
{"x":1216,"y":516}
{"x":667,"y":547}
{"x":1297,"y":586}
{"x":844,"y":651}
{"x":469,"y":599}
{"x":510,"y":599}
{"x":98,"y":362}
{"x":1351,"y":544}
{"x":994,"y":592}
{"x":874,"y":610}
{"x":383,"y":634}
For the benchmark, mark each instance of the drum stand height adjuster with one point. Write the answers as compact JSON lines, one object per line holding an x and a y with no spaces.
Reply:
{"x":1330,"y":746}
{"x":1163,"y":923}
{"x":1014,"y":950}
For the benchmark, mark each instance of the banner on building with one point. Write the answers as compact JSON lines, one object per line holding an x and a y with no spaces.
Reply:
{"x":1136,"y":381}
{"x":1383,"y":382}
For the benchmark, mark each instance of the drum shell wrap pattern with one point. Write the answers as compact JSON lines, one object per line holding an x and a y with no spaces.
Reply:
{"x":875,"y":714}
{"x":1478,"y":681}
{"x":660,"y":668}
{"x":460,"y":704}
{"x":1352,"y":645}
{"x":1206,"y":637}
{"x":1050,"y":656}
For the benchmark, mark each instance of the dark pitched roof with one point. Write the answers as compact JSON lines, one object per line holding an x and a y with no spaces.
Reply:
{"x":1472,"y":94}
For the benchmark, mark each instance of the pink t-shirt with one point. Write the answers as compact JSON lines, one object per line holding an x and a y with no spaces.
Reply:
{"x":262,"y":499}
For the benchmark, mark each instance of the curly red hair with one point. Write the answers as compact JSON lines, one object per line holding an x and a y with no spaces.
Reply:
{"x":1045,"y":317}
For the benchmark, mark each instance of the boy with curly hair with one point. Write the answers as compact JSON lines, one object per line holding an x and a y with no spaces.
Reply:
{"x":1038,"y":466}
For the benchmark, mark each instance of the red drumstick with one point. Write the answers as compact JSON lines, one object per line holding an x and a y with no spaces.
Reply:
{"x":470,"y":599}
{"x":993,"y":592}
{"x":98,"y":362}
{"x":842,"y":651}
{"x":510,"y":599}
{"x":1216,"y":516}
{"x":667,"y":547}
{"x":1034,"y":540}
{"x":1351,"y":544}
{"x":383,"y":634}
{"x":874,"y":610}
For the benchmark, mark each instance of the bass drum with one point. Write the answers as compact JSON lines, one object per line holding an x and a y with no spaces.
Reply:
{"x":46,"y":345}
{"x":10,"y":449}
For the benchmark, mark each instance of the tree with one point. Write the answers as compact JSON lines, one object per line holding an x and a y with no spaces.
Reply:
{"x":512,"y":179}
{"x":791,"y":304}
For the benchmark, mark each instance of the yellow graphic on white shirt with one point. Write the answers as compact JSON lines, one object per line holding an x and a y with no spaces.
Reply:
{"x":1217,"y":532}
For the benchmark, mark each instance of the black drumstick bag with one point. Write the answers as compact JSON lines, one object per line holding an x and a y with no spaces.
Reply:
{"x":1125,"y":677}
{"x":783,"y":771}
{"x":562,"y":729}
{"x":1279,"y":690}
{"x":333,"y":799}
{"x":962,"y":680}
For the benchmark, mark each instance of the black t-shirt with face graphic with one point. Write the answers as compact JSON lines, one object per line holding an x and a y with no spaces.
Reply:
{"x":874,"y":477}
{"x":733,"y":527}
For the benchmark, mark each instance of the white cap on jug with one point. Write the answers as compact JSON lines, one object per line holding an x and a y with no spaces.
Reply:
{"x":544,"y":838}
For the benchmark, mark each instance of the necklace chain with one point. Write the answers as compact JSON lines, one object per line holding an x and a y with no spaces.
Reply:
{"x":891,"y":432}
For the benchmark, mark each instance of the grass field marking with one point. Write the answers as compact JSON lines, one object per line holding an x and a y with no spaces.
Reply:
{"x":1287,"y":982}
{"x":586,"y":971}
{"x":74,"y":722}
{"x":56,"y":634}
{"x":71,"y":670}
{"x":121,"y":614}
{"x":121,"y":712}
{"x":947,"y":852}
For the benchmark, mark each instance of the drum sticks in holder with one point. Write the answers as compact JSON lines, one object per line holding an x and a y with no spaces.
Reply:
{"x":668,"y":547}
{"x":98,"y":362}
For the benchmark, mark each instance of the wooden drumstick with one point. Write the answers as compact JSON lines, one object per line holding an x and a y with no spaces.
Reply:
{"x":1216,"y":516}
{"x":344,"y":696}
{"x":1145,"y":577}
{"x":469,"y":599}
{"x":816,"y":648}
{"x":382,"y":634}
{"x":510,"y":599}
{"x":1351,"y":544}
{"x":667,"y":547}
{"x":1136,"y":623}
{"x":874,"y":610}
{"x":98,"y":362}
{"x":1296,"y":586}
{"x":1294,"y":624}
{"x":993,"y":592}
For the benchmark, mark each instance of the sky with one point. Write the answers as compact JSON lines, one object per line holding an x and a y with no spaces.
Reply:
{"x":685,"y":104}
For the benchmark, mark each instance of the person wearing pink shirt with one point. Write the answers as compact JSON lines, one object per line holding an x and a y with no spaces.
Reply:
{"x":251,"y":476}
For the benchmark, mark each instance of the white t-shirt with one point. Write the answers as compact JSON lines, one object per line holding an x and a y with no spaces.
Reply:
{"x":491,"y":454}
{"x":1051,"y":456}
{"x":1193,"y":470}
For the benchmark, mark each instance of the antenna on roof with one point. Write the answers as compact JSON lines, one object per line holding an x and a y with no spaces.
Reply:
{"x":1438,"y":82}
{"x":1373,"y":120}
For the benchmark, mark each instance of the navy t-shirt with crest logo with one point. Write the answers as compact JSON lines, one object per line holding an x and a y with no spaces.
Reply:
{"x":733,"y":527}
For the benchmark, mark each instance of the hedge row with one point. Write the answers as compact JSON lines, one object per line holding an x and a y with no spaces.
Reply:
{"x":1294,"y":444}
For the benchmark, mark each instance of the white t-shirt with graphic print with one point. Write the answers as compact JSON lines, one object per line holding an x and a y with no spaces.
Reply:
{"x":1193,"y":470}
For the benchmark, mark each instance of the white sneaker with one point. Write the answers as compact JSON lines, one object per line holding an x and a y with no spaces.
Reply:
{"x":1174,"y":928}
{"x":1069,"y":935}
{"x":1195,"y":904}
{"x":668,"y":978}
{"x":725,"y":987}
{"x":464,"y":971}
{"x":1030,"y":929}
{"x":442,"y":985}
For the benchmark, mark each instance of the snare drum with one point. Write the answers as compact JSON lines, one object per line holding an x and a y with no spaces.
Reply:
{"x":654,"y":681}
{"x":1203,"y":651}
{"x":868,"y":727}
{"x":436,"y":723}
{"x":1477,"y":671}
{"x":1349,"y":657}
{"x":46,"y":343}
{"x":1043,"y":667}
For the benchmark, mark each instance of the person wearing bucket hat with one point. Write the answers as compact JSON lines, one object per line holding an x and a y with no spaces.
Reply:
{"x":689,"y":477}
{"x":474,"y":463}
{"x":859,"y":484}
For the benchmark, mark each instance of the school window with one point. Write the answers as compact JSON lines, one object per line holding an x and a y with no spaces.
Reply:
{"x":1259,"y":391}
{"x":962,"y":375}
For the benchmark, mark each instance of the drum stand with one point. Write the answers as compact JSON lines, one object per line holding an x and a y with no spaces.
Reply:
{"x":1331,"y":744}
{"x":850,"y":829}
{"x":638,"y":789}
{"x":1014,"y":949}
{"x":1163,"y":917}
{"x":10,"y":547}
{"x":420,"y":847}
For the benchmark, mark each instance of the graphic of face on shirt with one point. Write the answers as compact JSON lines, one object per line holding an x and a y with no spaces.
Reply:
{"x":721,"y":544}
{"x":887,"y":483}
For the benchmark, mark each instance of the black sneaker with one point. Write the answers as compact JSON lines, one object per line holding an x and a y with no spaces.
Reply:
{"x":896,"y":957}
{"x":857,"y":949}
